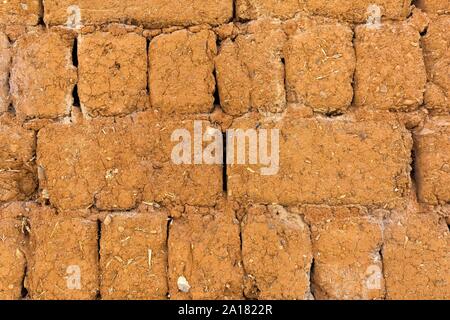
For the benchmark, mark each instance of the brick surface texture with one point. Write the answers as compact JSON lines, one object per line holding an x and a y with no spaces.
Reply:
{"x":224,"y":149}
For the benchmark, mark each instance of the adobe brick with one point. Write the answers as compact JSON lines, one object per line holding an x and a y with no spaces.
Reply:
{"x":95,"y":163}
{"x":112,"y":73}
{"x":20,"y":12}
{"x":181,"y":58}
{"x":437,"y":60}
{"x":204,"y":255}
{"x":432,"y":146}
{"x":320,"y":63}
{"x":12,"y":253}
{"x":415,"y":255}
{"x":332,"y":162}
{"x":133,"y":255}
{"x":356,"y":11}
{"x":434,"y":6}
{"x":250,"y":72}
{"x":42,"y":74}
{"x":347,"y":243}
{"x":390,"y":71}
{"x":152,"y":13}
{"x":17,"y":167}
{"x":280,"y":270}
{"x":64,"y":258}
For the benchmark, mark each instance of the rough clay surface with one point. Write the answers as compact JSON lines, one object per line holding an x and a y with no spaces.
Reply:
{"x":178,"y":59}
{"x":133,"y":251}
{"x":42,"y":75}
{"x":151,"y":13}
{"x":64,"y":263}
{"x":5,"y":64}
{"x":24,"y":12}
{"x":277,"y":254}
{"x":351,"y":11}
{"x":320,"y":63}
{"x":94,"y":95}
{"x":346,"y":242}
{"x":17,"y":169}
{"x":204,"y":248}
{"x":390,"y":70}
{"x":95,"y":163}
{"x":433,"y":161}
{"x":436,"y":44}
{"x":107,"y":61}
{"x":416,"y":256}
{"x":12,"y":253}
{"x":339,"y":161}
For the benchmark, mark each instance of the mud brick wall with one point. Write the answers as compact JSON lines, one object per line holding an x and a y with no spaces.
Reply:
{"x":93,"y":206}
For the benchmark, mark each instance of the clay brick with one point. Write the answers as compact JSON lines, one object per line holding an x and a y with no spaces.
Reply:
{"x":5,"y":64}
{"x":64,"y":258}
{"x":250,"y":71}
{"x":320,"y":63}
{"x":416,"y":256}
{"x":112,"y":73}
{"x":42,"y":75}
{"x":114,"y":164}
{"x":277,"y":255}
{"x":358,"y":11}
{"x":434,"y":6}
{"x":12,"y":257}
{"x":437,"y":59}
{"x":21,"y":12}
{"x":432,"y":146}
{"x":204,"y":248}
{"x":178,"y":59}
{"x":347,"y":246}
{"x":133,"y":253}
{"x":355,"y":11}
{"x":150,"y":13}
{"x":324,"y":161}
{"x":17,"y":169}
{"x":390,"y":71}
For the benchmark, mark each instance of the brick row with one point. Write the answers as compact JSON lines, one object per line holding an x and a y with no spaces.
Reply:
{"x":357,"y":253}
{"x":94,"y":163}
{"x":305,"y":61}
{"x":157,"y":13}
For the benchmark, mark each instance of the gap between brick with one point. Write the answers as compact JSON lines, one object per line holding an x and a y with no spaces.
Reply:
{"x":169,"y":222}
{"x":225,"y":168}
{"x":24,"y":290}
{"x":41,"y":13}
{"x":99,"y":238}
{"x":148,"y":69}
{"x":76,"y":98}
{"x":413,"y":164}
